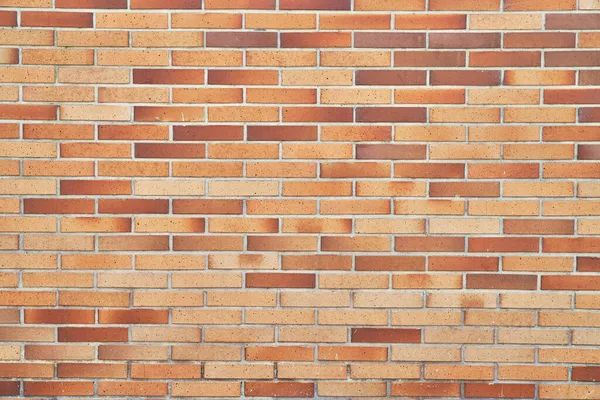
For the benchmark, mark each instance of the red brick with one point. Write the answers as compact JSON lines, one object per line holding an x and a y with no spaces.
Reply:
{"x":586,"y":374}
{"x":55,"y":206}
{"x":501,"y":281}
{"x":92,"y":334}
{"x":573,"y":59}
{"x":464,"y":40}
{"x":571,"y":245}
{"x":588,"y":264}
{"x":62,"y":317}
{"x":27,"y":112}
{"x":559,"y":282}
{"x":8,"y":18}
{"x":162,"y":4}
{"x":140,"y":316}
{"x":97,"y":187}
{"x":282,"y":133}
{"x":57,"y":19}
{"x":135,"y":206}
{"x":465,"y":78}
{"x":203,"y":133}
{"x":503,"y":244}
{"x":539,"y":40}
{"x":241,"y":39}
{"x":238,"y":77}
{"x":540,"y":227}
{"x":572,"y":21}
{"x":280,"y":280}
{"x":10,"y":388}
{"x":333,"y":5}
{"x":106,"y":4}
{"x":390,"y":263}
{"x":459,"y":263}
{"x":466,"y":189}
{"x":385,"y":335}
{"x":505,"y":59}
{"x":391,"y":114}
{"x":315,"y":39}
{"x":390,"y":152}
{"x":168,"y":76}
{"x":237,"y":4}
{"x":53,"y":388}
{"x":151,"y":150}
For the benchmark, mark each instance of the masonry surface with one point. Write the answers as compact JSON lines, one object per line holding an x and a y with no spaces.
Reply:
{"x":300,"y":198}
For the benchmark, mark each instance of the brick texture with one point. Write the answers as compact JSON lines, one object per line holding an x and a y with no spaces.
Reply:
{"x":300,"y":198}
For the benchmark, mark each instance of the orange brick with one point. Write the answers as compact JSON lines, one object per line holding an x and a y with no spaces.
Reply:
{"x":93,"y":75}
{"x":538,"y":77}
{"x":335,"y":281}
{"x":430,"y":389}
{"x":167,"y":39}
{"x":261,"y":58}
{"x":529,"y":336}
{"x":300,"y":299}
{"x":120,"y":20}
{"x":506,"y":22}
{"x":207,"y":58}
{"x":50,"y":93}
{"x":99,"y":299}
{"x":59,"y":352}
{"x":132,"y":57}
{"x":137,"y":95}
{"x":95,"y":113}
{"x":236,"y":371}
{"x":535,"y":5}
{"x":281,"y":21}
{"x":470,"y":5}
{"x":352,"y":388}
{"x":116,"y":388}
{"x":67,"y":38}
{"x":534,"y":373}
{"x":458,"y":372}
{"x":58,"y":57}
{"x":206,"y":389}
{"x":425,"y":353}
{"x":206,"y":20}
{"x":45,"y":388}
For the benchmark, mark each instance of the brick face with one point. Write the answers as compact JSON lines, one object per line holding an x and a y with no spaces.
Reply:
{"x":299,"y":198}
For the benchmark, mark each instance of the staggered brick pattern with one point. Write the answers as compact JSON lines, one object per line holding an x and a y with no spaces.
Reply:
{"x":300,"y":198}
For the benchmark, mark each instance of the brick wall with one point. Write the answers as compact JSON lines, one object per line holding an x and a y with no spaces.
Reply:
{"x":300,"y":198}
